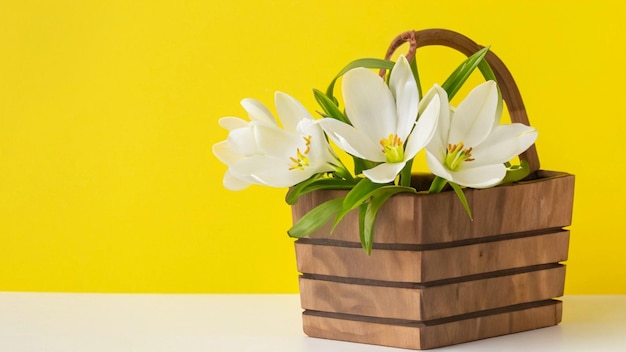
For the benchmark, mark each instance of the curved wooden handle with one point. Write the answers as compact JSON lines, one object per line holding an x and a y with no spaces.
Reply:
{"x":508,"y":87}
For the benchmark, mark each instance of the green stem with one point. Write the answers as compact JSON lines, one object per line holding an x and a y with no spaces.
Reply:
{"x":405,"y":174}
{"x":437,"y":185}
{"x":342,"y":171}
{"x":340,"y":168}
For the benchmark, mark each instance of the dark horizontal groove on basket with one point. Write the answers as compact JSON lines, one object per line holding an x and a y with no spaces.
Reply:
{"x":422,"y":285}
{"x":424,"y":323}
{"x":430,"y":246}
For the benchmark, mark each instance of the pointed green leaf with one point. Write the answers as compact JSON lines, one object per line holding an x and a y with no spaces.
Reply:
{"x":486,"y":71}
{"x":367,"y":63}
{"x":318,"y":184}
{"x":294,"y":192}
{"x":329,"y":106}
{"x":357,"y":196}
{"x":416,"y":75}
{"x":462,"y":73}
{"x":316,"y":218}
{"x":362,"y":164}
{"x":362,"y":211}
{"x":459,"y":193}
{"x":379,"y":198}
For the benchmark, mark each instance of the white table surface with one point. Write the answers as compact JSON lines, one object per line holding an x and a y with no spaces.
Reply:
{"x":51,"y":322}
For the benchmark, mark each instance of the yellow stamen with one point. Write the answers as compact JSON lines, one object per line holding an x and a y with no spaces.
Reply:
{"x":301,"y":161}
{"x":455,"y":155}
{"x":392,"y":148}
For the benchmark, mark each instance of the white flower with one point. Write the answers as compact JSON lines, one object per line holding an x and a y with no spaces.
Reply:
{"x":383,"y":120}
{"x":260,"y":152}
{"x":470,"y":148}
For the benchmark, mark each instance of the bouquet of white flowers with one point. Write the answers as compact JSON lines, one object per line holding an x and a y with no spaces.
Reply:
{"x":385,"y":123}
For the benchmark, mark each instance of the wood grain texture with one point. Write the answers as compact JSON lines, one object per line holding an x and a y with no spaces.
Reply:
{"x":417,"y":266}
{"x":543,"y":203}
{"x":421,"y":303}
{"x":414,"y":335}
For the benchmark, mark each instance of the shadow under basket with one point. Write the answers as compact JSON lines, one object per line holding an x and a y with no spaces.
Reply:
{"x":435,"y":277}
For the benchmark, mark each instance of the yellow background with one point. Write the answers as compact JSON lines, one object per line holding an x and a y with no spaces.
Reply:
{"x":108,"y":110}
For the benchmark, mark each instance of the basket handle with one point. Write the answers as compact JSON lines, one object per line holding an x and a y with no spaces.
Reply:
{"x":508,"y":87}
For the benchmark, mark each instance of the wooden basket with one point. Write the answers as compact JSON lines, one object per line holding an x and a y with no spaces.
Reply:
{"x":436,"y":278}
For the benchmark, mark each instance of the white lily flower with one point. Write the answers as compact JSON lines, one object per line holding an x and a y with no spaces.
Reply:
{"x":470,"y":148}
{"x":260,"y":152}
{"x":383,"y":119}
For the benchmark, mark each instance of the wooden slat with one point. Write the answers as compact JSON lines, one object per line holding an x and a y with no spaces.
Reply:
{"x":422,"y":336}
{"x":437,"y":218}
{"x":430,"y":265}
{"x":432,"y":302}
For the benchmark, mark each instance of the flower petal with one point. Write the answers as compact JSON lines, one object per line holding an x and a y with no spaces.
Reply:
{"x":436,"y":166}
{"x":242,"y":141}
{"x":479,"y":177}
{"x":503,"y":144}
{"x":290,"y":111}
{"x":404,"y":90}
{"x":225,"y":153}
{"x":439,"y":142}
{"x":276,"y":142}
{"x":384,"y":173}
{"x":230,"y":122}
{"x":257,"y":111}
{"x":474,"y":117}
{"x":320,"y":151}
{"x":425,"y":128}
{"x":233,"y":183}
{"x":351,"y":141}
{"x":369,"y":104}
{"x":270,"y":171}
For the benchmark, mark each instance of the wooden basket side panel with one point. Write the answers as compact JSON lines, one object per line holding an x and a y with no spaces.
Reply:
{"x":439,"y":218}
{"x":357,"y":299}
{"x":362,"y":332}
{"x":432,"y":265}
{"x":491,"y":326}
{"x":387,"y":265}
{"x":493,"y":256}
{"x":494,"y":292}
{"x":536,"y":205}
{"x":425,"y":337}
{"x":395,"y":219}
{"x":427,"y":303}
{"x":532,"y":206}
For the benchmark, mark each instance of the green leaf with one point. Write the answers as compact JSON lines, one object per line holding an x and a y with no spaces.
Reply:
{"x":315,"y":218}
{"x":459,"y":193}
{"x":515,"y":173}
{"x":362,"y":211}
{"x":318,"y":184}
{"x":379,"y":197}
{"x":367,"y":63}
{"x":329,"y":106}
{"x":462,"y":73}
{"x":413,"y":64}
{"x":294,"y":192}
{"x":357,"y":196}
{"x":362,"y":164}
{"x":486,"y":71}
